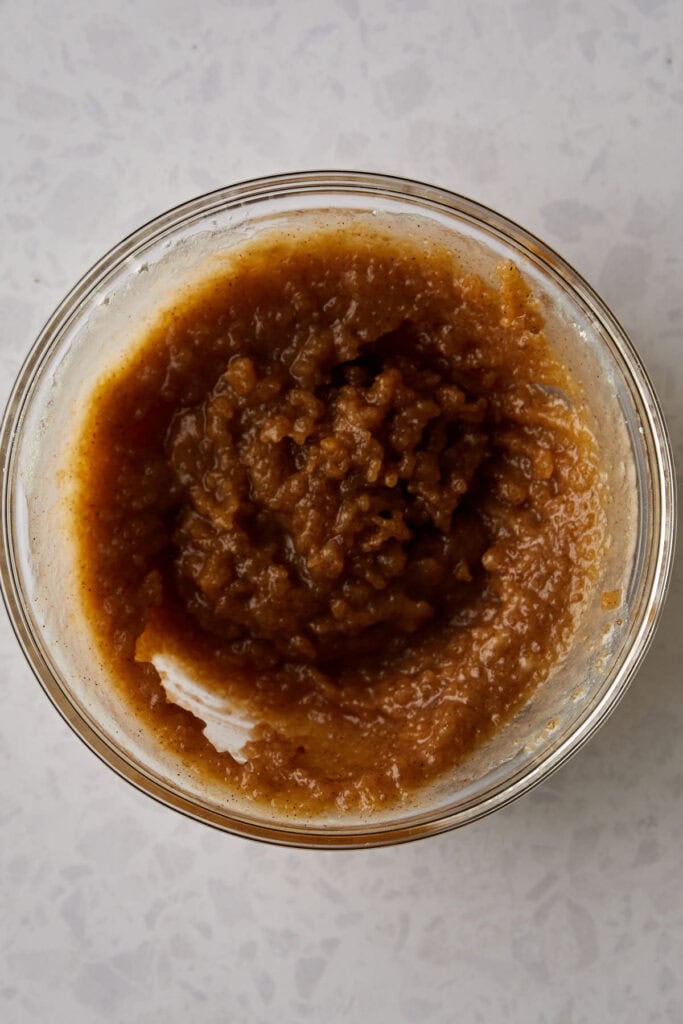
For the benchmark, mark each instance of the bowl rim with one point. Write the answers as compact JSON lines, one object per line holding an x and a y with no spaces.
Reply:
{"x":398,"y":188}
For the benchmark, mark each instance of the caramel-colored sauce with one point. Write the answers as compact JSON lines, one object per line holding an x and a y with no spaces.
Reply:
{"x":350,"y":486}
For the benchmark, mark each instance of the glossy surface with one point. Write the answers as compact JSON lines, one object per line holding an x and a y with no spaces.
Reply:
{"x":347,"y":486}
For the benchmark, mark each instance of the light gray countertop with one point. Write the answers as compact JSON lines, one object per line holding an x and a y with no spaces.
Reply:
{"x":565,"y":907}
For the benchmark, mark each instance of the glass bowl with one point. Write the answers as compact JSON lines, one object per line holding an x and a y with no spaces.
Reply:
{"x":103,"y":314}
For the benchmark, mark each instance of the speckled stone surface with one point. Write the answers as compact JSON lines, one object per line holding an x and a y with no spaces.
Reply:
{"x":565,"y":907}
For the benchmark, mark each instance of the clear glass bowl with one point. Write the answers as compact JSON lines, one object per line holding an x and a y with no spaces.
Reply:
{"x":103,"y":314}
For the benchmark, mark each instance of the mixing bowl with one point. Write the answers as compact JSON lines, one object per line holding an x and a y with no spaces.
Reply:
{"x":104,"y":315}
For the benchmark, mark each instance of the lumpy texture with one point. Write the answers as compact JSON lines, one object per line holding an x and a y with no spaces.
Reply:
{"x":350,"y":487}
{"x":321,"y":514}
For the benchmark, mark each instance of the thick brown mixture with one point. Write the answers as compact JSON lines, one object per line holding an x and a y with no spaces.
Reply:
{"x":345,"y":482}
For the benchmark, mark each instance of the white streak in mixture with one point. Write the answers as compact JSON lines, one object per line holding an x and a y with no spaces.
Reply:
{"x":226,"y":728}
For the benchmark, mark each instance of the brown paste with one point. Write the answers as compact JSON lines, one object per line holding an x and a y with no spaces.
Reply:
{"x":350,"y":486}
